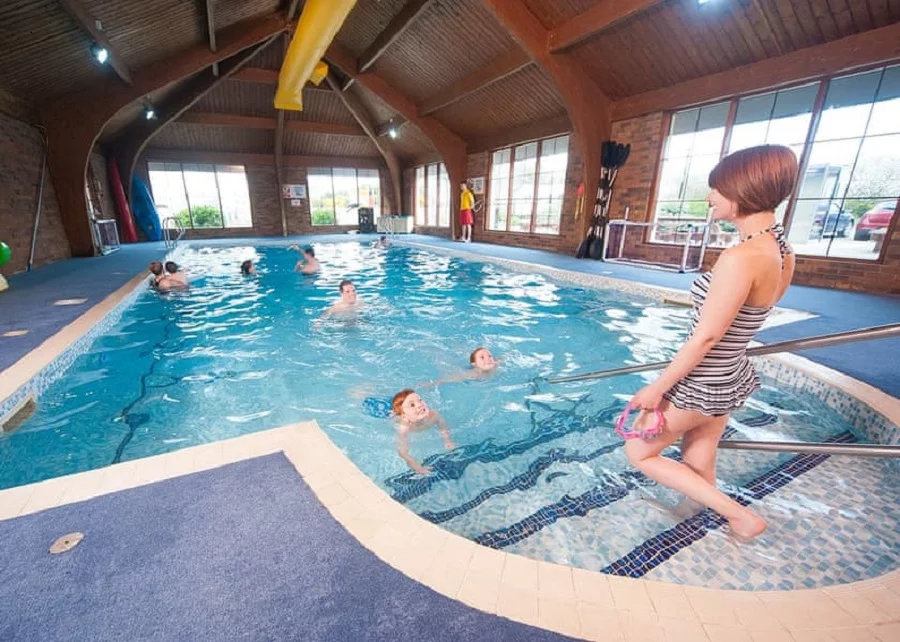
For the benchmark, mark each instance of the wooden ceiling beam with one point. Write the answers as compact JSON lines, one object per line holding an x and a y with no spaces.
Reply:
{"x":591,"y":22}
{"x":400,"y":23}
{"x":500,"y":68}
{"x":214,"y":119}
{"x":74,"y":121}
{"x":160,"y":154}
{"x":845,"y":54}
{"x":362,"y":116}
{"x":91,"y":26}
{"x":588,"y":107}
{"x":257,"y":75}
{"x":450,"y":146}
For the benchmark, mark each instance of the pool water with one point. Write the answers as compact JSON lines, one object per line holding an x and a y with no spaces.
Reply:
{"x":536,"y":469}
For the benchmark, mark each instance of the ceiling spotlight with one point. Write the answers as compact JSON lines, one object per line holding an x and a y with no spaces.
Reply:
{"x":392,"y":132}
{"x":702,"y":2}
{"x":100,"y":53}
{"x":149,"y":112}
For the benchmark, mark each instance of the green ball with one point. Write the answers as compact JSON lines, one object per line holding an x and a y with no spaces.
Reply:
{"x":5,"y":253}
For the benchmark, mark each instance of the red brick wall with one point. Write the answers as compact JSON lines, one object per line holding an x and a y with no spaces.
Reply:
{"x":634,"y":187}
{"x":20,"y":168}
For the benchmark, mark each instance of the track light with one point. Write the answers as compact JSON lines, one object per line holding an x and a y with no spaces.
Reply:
{"x":392,"y":132}
{"x":149,"y":112}
{"x":100,"y":53}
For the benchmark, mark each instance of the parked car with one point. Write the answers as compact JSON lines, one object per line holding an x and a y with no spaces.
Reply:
{"x":876,"y":218}
{"x":836,"y":223}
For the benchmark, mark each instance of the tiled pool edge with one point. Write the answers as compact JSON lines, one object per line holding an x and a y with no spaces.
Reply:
{"x":568,"y":600}
{"x":31,"y":374}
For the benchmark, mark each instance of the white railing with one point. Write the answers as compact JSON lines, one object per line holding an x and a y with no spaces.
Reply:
{"x":107,"y":235}
{"x":693,"y":239}
{"x":169,"y":225}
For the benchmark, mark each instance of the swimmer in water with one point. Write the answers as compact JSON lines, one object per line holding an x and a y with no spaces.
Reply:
{"x":175,"y":279}
{"x":349,"y":301}
{"x":247,"y":268}
{"x":382,"y":243}
{"x":156,"y":269}
{"x":412,"y":414}
{"x":308,"y":264}
{"x":482,"y":364}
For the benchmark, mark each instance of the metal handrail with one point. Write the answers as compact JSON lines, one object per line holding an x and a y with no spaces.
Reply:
{"x":823,"y":341}
{"x":167,"y":237}
{"x":855,"y":450}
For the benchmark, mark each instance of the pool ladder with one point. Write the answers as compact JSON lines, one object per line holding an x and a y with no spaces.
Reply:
{"x":168,"y":228}
{"x":822,"y":341}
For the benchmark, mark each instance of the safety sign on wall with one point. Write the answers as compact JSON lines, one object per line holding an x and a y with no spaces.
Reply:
{"x":477,"y":184}
{"x":293,"y":191}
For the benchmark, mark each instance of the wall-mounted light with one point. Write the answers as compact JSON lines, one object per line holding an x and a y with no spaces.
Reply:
{"x":99,"y":53}
{"x":149,"y":112}
{"x":392,"y":130}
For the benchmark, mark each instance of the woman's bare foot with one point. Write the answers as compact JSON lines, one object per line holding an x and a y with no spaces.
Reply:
{"x":747,"y":526}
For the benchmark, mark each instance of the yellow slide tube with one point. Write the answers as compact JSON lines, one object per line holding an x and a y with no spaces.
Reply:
{"x":316,"y":28}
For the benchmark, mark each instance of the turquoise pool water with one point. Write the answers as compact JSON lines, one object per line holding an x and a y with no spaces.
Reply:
{"x":537,"y":468}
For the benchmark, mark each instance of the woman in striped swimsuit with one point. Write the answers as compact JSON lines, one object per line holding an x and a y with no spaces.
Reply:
{"x":711,"y":375}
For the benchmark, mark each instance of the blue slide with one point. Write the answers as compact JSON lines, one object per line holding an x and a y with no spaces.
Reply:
{"x":144,"y":210}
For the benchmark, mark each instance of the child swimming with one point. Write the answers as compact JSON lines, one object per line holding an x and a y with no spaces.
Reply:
{"x":412,"y":414}
{"x":482,"y":363}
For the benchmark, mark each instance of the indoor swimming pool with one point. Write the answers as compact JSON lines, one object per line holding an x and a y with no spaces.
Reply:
{"x":536,"y":469}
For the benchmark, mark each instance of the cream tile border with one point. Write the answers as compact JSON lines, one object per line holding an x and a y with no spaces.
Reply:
{"x":559,"y":598}
{"x":29,"y":366}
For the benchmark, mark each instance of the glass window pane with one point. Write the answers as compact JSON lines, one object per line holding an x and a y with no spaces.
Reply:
{"x":445,"y":197}
{"x":754,"y":109}
{"x":369,"y":183}
{"x":203,"y":195}
{"x":431,"y":197}
{"x":877,"y":171}
{"x":672,"y":179}
{"x":524,"y":165}
{"x":697,"y":186}
{"x":867,"y":233}
{"x":520,"y":218}
{"x":235,"y":195}
{"x":321,"y":196}
{"x":808,"y":225}
{"x":886,"y":113}
{"x":748,"y":135}
{"x":828,"y":170}
{"x":847,"y":106}
{"x":420,"y":196}
{"x":167,"y":184}
{"x":711,"y":129}
{"x":499,"y":190}
{"x":346,"y":193}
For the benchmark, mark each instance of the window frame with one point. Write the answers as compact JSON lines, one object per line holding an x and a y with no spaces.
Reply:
{"x":334,"y":216}
{"x":510,"y":180}
{"x":187,"y":196}
{"x":421,"y":211}
{"x":823,"y":83}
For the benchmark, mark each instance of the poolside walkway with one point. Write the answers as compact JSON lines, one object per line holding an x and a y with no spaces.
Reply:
{"x":29,"y":303}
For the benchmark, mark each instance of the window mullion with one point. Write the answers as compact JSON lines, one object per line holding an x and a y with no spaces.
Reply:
{"x":219,"y":195}
{"x":187,"y":198}
{"x":537,"y":173}
{"x":807,"y":150}
{"x":512,"y":160}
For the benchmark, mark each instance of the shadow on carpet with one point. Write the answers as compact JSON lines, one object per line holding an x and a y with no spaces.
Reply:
{"x":242,"y":552}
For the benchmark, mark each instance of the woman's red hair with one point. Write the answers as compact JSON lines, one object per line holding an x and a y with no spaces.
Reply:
{"x":758,"y":179}
{"x":399,"y":398}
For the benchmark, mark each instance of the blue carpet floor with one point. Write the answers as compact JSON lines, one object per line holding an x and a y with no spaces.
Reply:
{"x":28,"y":303}
{"x":242,"y":552}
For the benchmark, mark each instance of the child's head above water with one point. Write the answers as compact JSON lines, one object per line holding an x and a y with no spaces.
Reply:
{"x":409,"y":406}
{"x":482,"y":359}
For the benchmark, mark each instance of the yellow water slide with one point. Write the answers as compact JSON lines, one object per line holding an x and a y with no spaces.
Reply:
{"x":316,"y":28}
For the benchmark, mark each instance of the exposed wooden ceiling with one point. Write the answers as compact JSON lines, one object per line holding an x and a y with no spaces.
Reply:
{"x":450,"y":58}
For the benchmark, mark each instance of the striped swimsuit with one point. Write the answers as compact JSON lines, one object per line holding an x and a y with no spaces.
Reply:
{"x":725,"y":378}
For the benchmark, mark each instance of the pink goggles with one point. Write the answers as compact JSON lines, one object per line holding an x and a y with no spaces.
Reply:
{"x":647,"y":433}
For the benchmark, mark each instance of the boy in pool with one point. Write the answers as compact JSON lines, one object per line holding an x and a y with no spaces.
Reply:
{"x":247,"y":268}
{"x":156,"y":269}
{"x":308,"y":264}
{"x":412,"y":414}
{"x":482,"y":362}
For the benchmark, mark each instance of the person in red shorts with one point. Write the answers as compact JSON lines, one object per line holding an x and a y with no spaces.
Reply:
{"x":466,"y":218}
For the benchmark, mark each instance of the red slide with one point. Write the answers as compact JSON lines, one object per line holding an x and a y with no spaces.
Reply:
{"x":123,"y":212}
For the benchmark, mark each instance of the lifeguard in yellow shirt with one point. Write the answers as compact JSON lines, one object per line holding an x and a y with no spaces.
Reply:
{"x":466,"y":217}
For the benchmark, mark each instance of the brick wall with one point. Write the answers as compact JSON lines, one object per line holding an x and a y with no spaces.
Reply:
{"x":634,"y":187}
{"x":20,"y":167}
{"x":103,"y":201}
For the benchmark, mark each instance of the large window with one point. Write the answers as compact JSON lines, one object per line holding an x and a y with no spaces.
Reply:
{"x":850,"y":185}
{"x":433,"y":196}
{"x":527,"y":185}
{"x":201,"y":196}
{"x":335,"y":194}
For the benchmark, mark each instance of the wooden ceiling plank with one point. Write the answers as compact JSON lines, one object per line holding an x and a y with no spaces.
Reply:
{"x":500,"y":68}
{"x":257,"y":75}
{"x":591,"y":22}
{"x":881,"y":14}
{"x":88,"y":24}
{"x":808,"y":22}
{"x":683,"y":35}
{"x":824,"y":19}
{"x":841,"y":14}
{"x":775,"y":37}
{"x":748,"y":34}
{"x":845,"y":54}
{"x":400,"y":23}
{"x":791,"y":23}
{"x":308,"y":127}
{"x":227,"y":120}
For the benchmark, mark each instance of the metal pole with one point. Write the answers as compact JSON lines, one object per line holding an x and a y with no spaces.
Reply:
{"x":37,"y":214}
{"x":606,"y":240}
{"x":624,"y":231}
{"x":856,"y":450}
{"x":823,"y":341}
{"x":687,"y":246}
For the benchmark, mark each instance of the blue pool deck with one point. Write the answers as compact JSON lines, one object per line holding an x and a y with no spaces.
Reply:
{"x":29,"y":303}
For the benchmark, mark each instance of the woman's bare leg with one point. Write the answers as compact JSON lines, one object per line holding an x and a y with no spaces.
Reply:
{"x":645,"y":456}
{"x":700,"y":446}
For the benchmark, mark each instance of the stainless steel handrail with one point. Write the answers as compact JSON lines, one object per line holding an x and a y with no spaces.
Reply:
{"x":167,"y":238}
{"x":855,"y":450}
{"x":823,"y":341}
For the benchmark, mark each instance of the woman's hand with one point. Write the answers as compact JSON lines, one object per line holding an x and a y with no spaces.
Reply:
{"x":648,"y":397}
